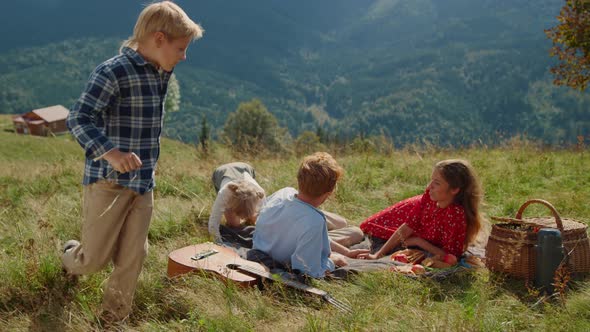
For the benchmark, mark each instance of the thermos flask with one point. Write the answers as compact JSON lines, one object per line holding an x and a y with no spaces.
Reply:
{"x":549,"y":254}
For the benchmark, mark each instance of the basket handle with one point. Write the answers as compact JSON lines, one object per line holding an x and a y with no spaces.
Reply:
{"x":547,"y":204}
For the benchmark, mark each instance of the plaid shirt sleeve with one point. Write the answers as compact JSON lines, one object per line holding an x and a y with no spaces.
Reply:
{"x":99,"y":93}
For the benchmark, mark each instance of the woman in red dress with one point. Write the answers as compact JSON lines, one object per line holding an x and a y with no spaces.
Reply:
{"x":443,"y":220}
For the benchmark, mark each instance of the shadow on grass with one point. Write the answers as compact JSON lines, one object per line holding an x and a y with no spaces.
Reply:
{"x":45,"y":306}
{"x":527,"y":294}
{"x":157,"y":299}
{"x":452,"y":285}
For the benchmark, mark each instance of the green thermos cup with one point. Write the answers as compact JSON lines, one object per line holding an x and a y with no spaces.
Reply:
{"x":550,"y":253}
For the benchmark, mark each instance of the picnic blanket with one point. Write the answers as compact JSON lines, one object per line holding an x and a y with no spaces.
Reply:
{"x":241,"y":241}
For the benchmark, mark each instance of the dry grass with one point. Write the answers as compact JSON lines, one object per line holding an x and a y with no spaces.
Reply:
{"x":40,"y":195}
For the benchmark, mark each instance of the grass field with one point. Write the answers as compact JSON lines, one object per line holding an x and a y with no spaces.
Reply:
{"x":40,"y":199}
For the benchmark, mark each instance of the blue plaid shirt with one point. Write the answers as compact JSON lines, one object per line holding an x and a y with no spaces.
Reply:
{"x":121,"y":107}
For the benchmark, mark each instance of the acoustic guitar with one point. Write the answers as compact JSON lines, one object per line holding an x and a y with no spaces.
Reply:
{"x":211,"y":258}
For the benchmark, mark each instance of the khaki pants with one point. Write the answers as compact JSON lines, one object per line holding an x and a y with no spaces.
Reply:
{"x":347,"y":236}
{"x":339,"y":231}
{"x":115,"y":228}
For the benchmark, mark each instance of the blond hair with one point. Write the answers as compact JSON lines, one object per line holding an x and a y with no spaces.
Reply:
{"x":166,"y":17}
{"x":318,"y":174}
{"x":460,"y":174}
{"x":244,"y":199}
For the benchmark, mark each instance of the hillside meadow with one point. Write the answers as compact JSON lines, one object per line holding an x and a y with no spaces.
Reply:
{"x":40,"y":203}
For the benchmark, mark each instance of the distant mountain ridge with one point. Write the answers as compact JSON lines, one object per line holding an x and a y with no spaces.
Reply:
{"x":449,"y":72}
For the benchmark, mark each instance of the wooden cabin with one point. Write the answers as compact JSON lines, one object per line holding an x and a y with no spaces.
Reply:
{"x":42,"y":122}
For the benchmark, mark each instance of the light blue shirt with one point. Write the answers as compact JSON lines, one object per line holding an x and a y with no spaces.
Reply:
{"x":294,"y":232}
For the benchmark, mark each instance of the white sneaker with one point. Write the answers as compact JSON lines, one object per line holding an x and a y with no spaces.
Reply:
{"x":69,"y":245}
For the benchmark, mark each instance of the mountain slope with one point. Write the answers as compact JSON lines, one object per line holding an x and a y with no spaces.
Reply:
{"x":450,"y":72}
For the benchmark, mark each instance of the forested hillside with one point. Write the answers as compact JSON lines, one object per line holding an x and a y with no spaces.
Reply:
{"x":449,"y":72}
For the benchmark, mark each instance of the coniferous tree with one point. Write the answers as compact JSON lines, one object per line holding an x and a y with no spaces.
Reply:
{"x":204,"y":136}
{"x":173,"y":95}
{"x":321,"y":134}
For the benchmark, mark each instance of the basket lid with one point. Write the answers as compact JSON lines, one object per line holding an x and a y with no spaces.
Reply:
{"x":564,"y":225}
{"x":568,"y":224}
{"x":548,"y":222}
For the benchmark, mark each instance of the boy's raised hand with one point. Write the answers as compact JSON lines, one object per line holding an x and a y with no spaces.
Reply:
{"x":123,"y":162}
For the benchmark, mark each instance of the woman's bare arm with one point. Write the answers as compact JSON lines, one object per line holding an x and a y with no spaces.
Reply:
{"x":425,"y":245}
{"x":402,"y":233}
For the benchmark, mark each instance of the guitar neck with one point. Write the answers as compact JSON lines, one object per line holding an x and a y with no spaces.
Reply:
{"x":284,"y":280}
{"x":294,"y":284}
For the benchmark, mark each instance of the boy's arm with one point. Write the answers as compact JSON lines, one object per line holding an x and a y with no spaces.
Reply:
{"x":338,"y":248}
{"x":99,"y":93}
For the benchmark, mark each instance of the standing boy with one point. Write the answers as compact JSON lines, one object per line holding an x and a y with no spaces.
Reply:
{"x":291,"y":229}
{"x":118,"y":121}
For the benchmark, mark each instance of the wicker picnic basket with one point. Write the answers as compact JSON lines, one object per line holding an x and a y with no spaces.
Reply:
{"x":511,"y":245}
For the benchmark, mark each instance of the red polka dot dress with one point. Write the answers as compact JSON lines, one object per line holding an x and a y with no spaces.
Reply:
{"x":443,"y":227}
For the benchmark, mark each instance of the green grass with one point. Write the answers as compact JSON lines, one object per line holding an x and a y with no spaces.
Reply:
{"x":40,"y":195}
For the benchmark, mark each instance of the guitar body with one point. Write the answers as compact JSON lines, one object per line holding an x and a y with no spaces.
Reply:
{"x":211,"y":258}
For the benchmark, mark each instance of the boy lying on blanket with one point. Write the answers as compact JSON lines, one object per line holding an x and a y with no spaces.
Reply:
{"x":290,"y":227}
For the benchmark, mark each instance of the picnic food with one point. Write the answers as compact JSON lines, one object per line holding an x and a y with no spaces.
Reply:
{"x":415,"y":269}
{"x":408,"y":256}
{"x":418,"y":269}
{"x":400,"y":258}
{"x":435,"y":262}
{"x":450,"y":259}
{"x":474,"y":261}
